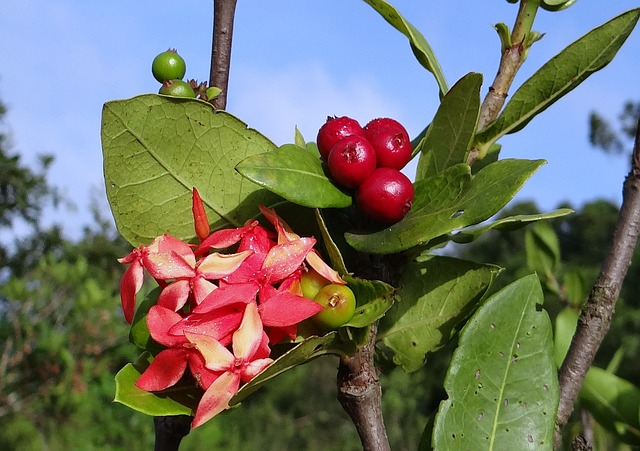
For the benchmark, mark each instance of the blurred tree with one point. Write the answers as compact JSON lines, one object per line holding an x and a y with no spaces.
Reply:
{"x":615,"y":138}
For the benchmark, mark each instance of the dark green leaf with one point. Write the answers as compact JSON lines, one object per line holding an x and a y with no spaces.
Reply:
{"x":335,"y":256}
{"x":450,"y":201}
{"x":560,"y":75}
{"x":436,"y":295}
{"x":419,"y":45}
{"x":139,"y":333}
{"x":502,"y":385}
{"x":303,"y":352}
{"x":157,"y":148}
{"x":373,"y":299}
{"x":506,"y":224}
{"x":296,"y":175}
{"x":448,"y":139}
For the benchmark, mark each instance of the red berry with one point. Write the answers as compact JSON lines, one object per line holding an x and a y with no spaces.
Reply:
{"x":391,"y":142}
{"x":386,"y":196}
{"x":351,"y":161}
{"x":335,"y":129}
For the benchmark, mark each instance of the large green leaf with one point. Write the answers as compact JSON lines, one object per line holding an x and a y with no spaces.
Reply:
{"x":156,"y":149}
{"x":419,"y":45}
{"x":560,"y":75}
{"x":295,"y":174}
{"x":436,"y":295}
{"x":502,"y":385}
{"x":450,"y":201}
{"x":174,"y":401}
{"x":454,"y":124}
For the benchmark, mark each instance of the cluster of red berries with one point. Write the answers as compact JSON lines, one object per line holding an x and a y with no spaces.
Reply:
{"x":369,"y":159}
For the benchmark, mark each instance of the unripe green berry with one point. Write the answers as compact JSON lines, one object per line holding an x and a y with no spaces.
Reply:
{"x":168,"y":65}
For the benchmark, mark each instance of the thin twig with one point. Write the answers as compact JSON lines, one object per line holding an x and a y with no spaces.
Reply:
{"x":223,"y":17}
{"x":596,"y":315}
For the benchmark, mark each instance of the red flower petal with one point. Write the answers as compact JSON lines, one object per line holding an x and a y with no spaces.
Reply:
{"x":160,"y":321}
{"x":286,"y":309}
{"x":216,"y":398}
{"x":227,"y":295}
{"x":174,"y":296}
{"x":200,"y":221}
{"x":130,"y":284}
{"x":165,"y":370}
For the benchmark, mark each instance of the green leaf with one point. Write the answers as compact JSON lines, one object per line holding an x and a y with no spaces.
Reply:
{"x":508,"y":223}
{"x":373,"y":299}
{"x":139,"y":334}
{"x":542,"y":249}
{"x":156,"y":149}
{"x":614,"y":403}
{"x":448,"y":202}
{"x":454,"y":124}
{"x":301,"y":353}
{"x":436,"y":295}
{"x":146,"y":402}
{"x":565,"y":327}
{"x":333,"y":251}
{"x":419,"y":45}
{"x":560,"y":75}
{"x":296,"y":175}
{"x":502,"y":383}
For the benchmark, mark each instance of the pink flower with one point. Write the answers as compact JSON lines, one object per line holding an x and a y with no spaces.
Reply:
{"x":249,"y":357}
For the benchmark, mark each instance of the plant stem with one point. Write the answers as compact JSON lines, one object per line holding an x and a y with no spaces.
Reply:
{"x":360,"y":395}
{"x":223,"y":16}
{"x":596,"y":315}
{"x":513,"y":56}
{"x":170,"y":430}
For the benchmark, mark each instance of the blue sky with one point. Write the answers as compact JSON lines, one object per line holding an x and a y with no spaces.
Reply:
{"x":294,"y":63}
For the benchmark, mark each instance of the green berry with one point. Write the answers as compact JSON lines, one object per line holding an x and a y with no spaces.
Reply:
{"x":168,"y":66}
{"x":339,"y":304}
{"x":177,"y":88}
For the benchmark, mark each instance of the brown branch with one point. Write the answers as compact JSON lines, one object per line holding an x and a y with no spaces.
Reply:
{"x":512,"y":58}
{"x":596,"y":315}
{"x":223,"y":16}
{"x":360,"y":395}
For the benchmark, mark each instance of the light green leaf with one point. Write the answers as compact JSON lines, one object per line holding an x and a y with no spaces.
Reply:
{"x":454,"y":124}
{"x":450,"y":201}
{"x":436,"y":295}
{"x":419,"y":45}
{"x":157,"y":148}
{"x":560,"y":75}
{"x":614,"y":403}
{"x":296,"y":175}
{"x":170,"y":402}
{"x":508,"y":223}
{"x":542,"y":249}
{"x":502,"y":385}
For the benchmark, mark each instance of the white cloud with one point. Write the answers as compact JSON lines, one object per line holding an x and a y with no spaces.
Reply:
{"x":274,"y":101}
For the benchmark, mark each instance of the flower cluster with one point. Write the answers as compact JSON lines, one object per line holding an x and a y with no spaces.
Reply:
{"x":218,"y":314}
